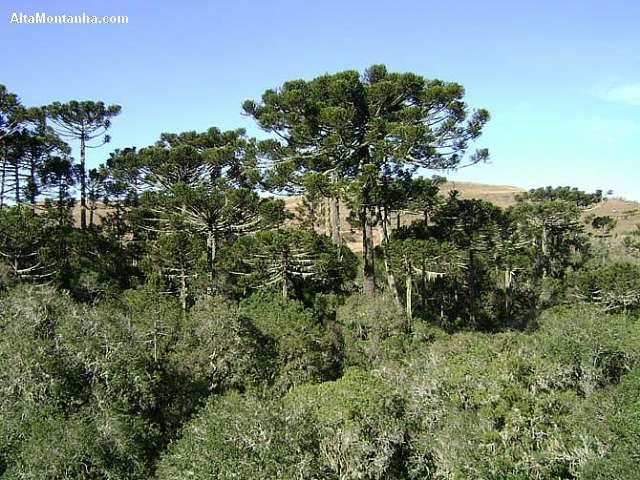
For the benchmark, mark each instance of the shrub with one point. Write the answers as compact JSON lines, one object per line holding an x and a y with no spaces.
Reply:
{"x":219,"y":348}
{"x":360,"y":425}
{"x":306,"y":351}
{"x":606,"y":432}
{"x":372,"y":329}
{"x":615,"y":287}
{"x":243,"y":437}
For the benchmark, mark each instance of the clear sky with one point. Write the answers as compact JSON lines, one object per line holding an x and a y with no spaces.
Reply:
{"x":560,"y":78}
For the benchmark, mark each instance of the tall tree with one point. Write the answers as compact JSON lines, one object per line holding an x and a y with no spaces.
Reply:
{"x":25,"y":144}
{"x":360,"y":129}
{"x":57,"y":177}
{"x":294,"y":260}
{"x":205,"y":179}
{"x":11,"y":115}
{"x":84,"y":122}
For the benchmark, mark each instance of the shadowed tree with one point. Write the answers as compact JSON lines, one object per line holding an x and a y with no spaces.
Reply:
{"x":23,"y":244}
{"x":57,"y":177}
{"x":11,"y":122}
{"x":554,"y":232}
{"x":96,"y":190}
{"x":84,"y":122}
{"x":292,"y":260}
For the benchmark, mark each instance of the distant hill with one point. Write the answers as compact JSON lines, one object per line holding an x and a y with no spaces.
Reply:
{"x":627,"y":213}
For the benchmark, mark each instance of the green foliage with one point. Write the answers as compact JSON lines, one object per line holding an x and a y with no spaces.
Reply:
{"x":603,"y":224}
{"x":362,"y":136}
{"x":501,"y":406}
{"x":306,"y":351}
{"x":360,"y":423}
{"x":631,"y":242}
{"x":24,"y":245}
{"x":572,"y":195}
{"x":221,"y":348}
{"x":615,"y":287}
{"x":291,"y":260}
{"x":556,"y":235}
{"x":191,"y":331}
{"x":99,"y":392}
{"x":371,"y":329}
{"x":239,"y":437}
{"x":611,"y":441}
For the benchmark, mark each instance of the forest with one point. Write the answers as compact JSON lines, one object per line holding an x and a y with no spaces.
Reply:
{"x":171,"y":314}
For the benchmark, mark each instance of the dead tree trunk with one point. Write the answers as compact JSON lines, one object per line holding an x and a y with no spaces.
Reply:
{"x":409,"y":292}
{"x":368,"y":272}
{"x":384,"y":236}
{"x":334,"y":219}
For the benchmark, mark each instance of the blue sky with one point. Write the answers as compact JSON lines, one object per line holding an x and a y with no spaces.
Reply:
{"x":560,"y":78}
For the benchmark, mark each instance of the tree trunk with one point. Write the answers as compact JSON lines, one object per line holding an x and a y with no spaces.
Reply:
{"x":60,"y":205}
{"x":384,"y":236}
{"x":409,"y":293}
{"x":32,"y":177}
{"x":183,"y":290}
{"x":2,"y":182}
{"x":368,"y":273}
{"x":212,"y":251}
{"x":83,"y":184}
{"x":545,"y":252}
{"x":326,"y":210}
{"x":423,"y":287}
{"x":285,"y":288}
{"x":334,"y":218}
{"x":16,"y":181}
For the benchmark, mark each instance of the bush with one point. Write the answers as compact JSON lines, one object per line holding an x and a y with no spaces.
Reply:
{"x":372,"y":329}
{"x":589,"y":350}
{"x":219,"y":348}
{"x":606,"y":431}
{"x":615,"y":287}
{"x":307,"y":352}
{"x":243,"y":437}
{"x":359,"y":423}
{"x":500,"y":406}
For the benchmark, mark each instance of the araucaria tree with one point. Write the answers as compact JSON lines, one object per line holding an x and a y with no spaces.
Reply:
{"x":349,"y":133}
{"x":84,"y":122}
{"x":26,"y":143}
{"x":203,"y":181}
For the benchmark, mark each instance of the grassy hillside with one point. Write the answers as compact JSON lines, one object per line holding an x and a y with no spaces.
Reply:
{"x":625,"y":212}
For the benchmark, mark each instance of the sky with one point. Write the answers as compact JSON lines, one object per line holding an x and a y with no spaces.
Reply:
{"x":560,"y":78}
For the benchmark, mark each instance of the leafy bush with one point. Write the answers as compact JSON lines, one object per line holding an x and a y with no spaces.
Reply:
{"x":307,"y":352}
{"x":372,"y":328}
{"x":219,"y":348}
{"x":243,"y":437}
{"x":606,"y":430}
{"x":615,"y":287}
{"x":359,"y":420}
{"x":500,"y":406}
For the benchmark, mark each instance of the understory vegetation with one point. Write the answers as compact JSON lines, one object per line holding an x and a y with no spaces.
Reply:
{"x":187,"y":325}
